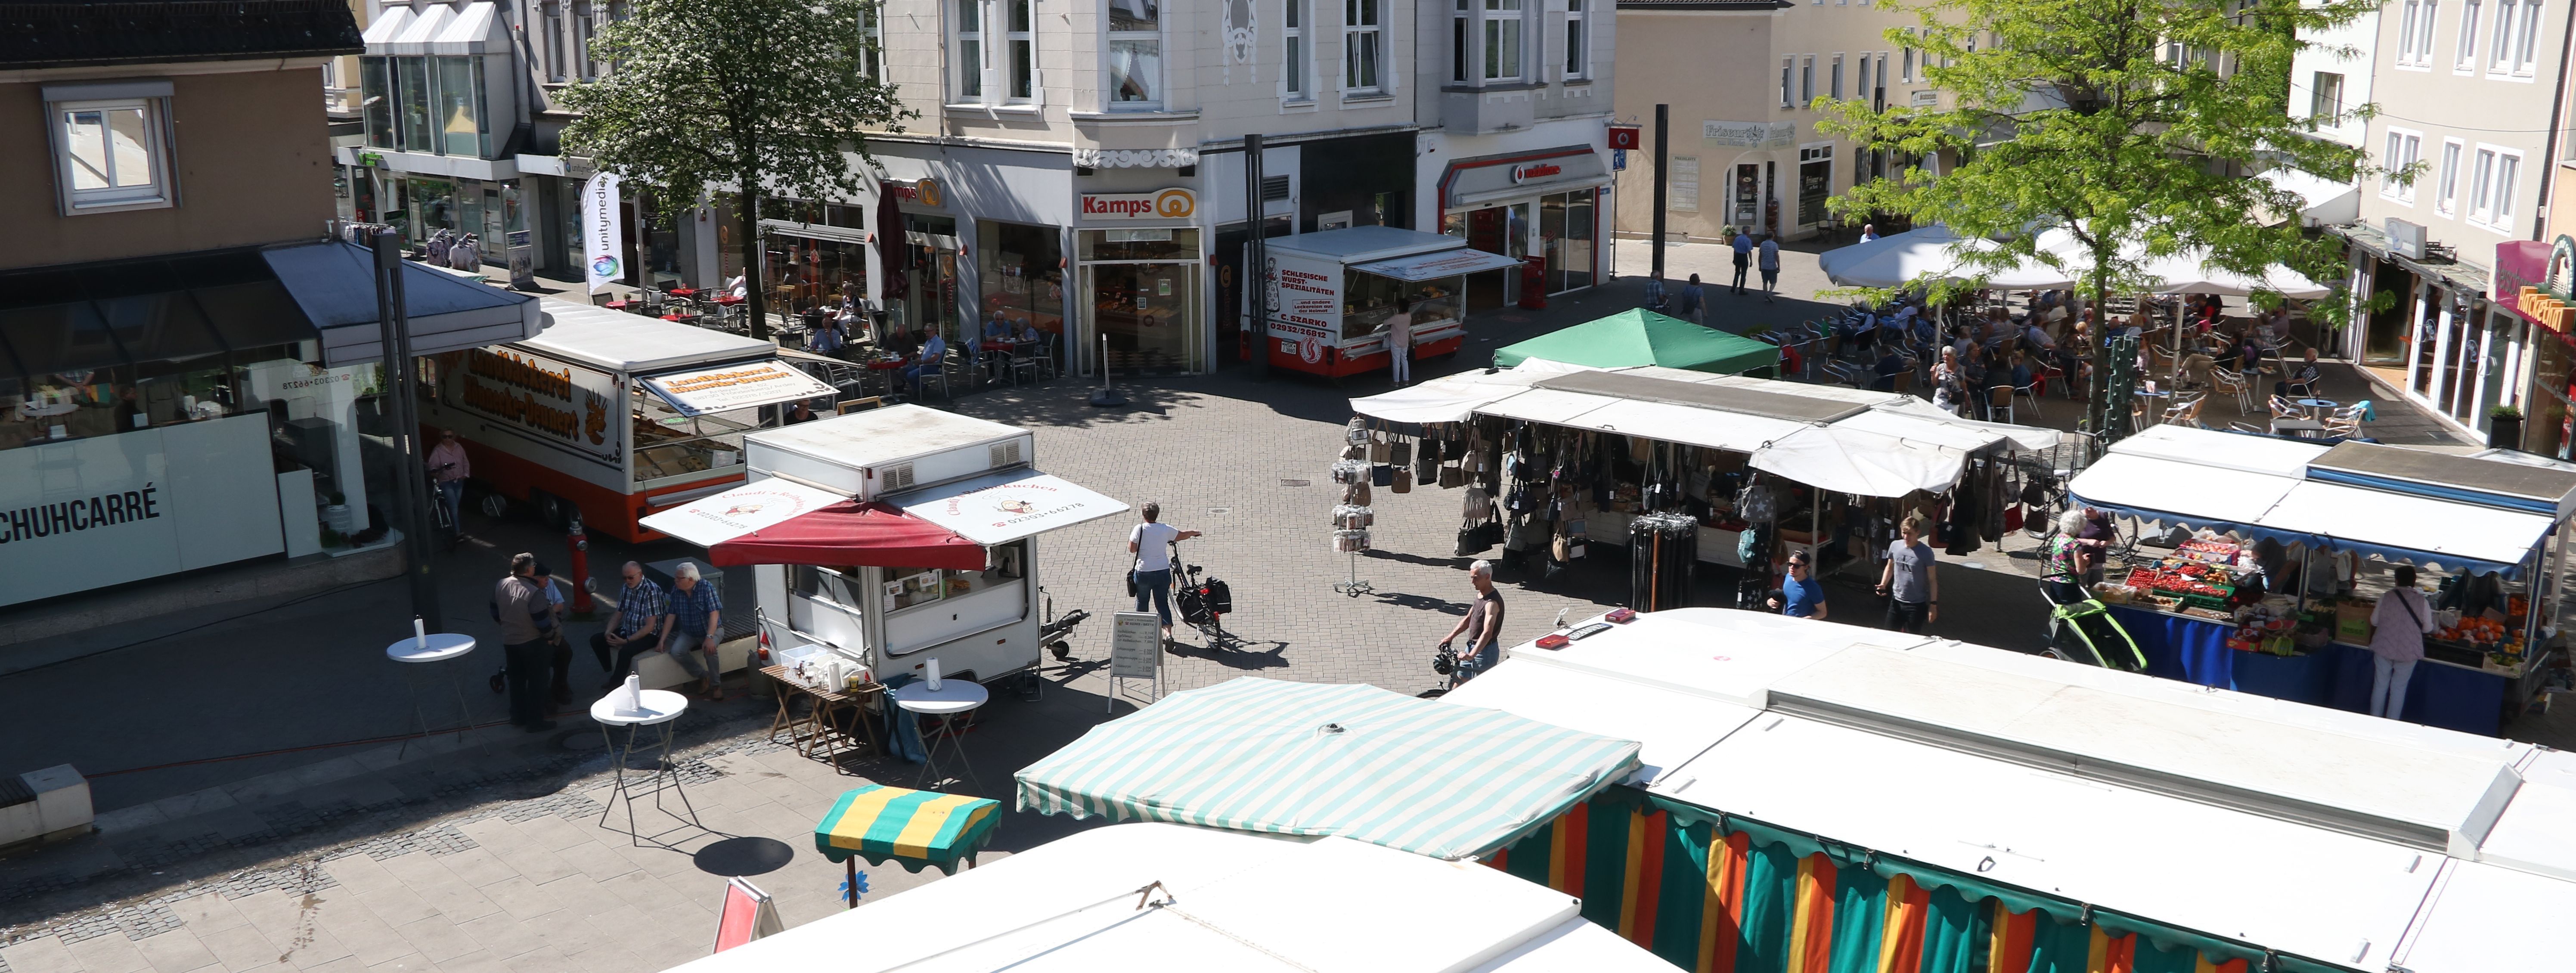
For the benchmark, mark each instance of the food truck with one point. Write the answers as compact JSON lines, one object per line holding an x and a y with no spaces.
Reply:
{"x":608,"y":414}
{"x":1330,"y":294}
{"x":892,"y":537}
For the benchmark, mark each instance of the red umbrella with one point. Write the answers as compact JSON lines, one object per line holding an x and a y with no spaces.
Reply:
{"x":852,"y":533}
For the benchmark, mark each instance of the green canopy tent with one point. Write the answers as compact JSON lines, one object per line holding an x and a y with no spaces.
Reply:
{"x":1642,"y":337}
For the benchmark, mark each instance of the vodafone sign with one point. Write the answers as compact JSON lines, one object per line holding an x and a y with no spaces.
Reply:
{"x":1540,"y":170}
{"x":1166,"y":204}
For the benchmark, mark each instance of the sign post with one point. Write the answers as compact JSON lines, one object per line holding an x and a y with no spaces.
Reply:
{"x":1135,"y":652}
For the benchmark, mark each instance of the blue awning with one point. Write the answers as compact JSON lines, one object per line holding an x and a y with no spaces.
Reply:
{"x":335,"y":284}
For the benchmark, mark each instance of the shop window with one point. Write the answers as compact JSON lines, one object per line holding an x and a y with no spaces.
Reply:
{"x":110,"y":154}
{"x":669,"y":445}
{"x":1371,"y":299}
{"x":1135,"y":53}
{"x":1362,"y":35}
{"x":376,"y":101}
{"x":1022,"y":277}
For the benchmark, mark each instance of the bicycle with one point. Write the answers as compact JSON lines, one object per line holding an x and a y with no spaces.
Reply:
{"x":1201,"y":603}
{"x":439,"y":517}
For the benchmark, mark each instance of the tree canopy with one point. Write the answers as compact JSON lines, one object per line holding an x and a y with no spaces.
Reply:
{"x":758,"y":96}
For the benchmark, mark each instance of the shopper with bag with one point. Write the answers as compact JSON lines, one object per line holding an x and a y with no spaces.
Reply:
{"x":1483,"y":626}
{"x":2397,"y":642}
{"x":1150,"y":543}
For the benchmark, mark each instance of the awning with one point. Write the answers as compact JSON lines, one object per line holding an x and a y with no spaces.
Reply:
{"x":1519,"y":175}
{"x":2322,"y":203}
{"x":1454,"y":398}
{"x":335,"y":284}
{"x":914,"y":828}
{"x":774,"y":521}
{"x":738,"y":386}
{"x":1642,"y":337}
{"x":1860,"y":462}
{"x":998,"y":508}
{"x":1436,"y":265}
{"x":1355,"y":761}
{"x":132,"y":312}
{"x":438,"y":29}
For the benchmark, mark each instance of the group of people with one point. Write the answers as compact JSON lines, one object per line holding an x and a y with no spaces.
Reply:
{"x":1691,"y":302}
{"x":1905,"y":579}
{"x":685,"y":621}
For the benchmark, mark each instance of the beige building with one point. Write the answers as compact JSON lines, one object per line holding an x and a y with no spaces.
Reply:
{"x":1741,"y":78}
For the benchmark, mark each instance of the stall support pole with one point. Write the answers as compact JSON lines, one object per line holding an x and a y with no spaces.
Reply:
{"x":1104,"y":395}
{"x":1663,"y":140}
{"x":1256,"y":276}
{"x":393,"y":320}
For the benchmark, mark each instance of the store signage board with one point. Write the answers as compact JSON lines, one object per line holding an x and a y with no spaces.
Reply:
{"x":90,"y":513}
{"x":1163,"y":204}
{"x":998,"y":508}
{"x":1135,"y":652}
{"x":737,"y":386}
{"x":541,"y":398}
{"x":1749,"y":135}
{"x":709,"y":521}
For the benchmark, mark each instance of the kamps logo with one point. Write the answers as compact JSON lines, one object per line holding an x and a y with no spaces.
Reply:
{"x":1175,"y":204}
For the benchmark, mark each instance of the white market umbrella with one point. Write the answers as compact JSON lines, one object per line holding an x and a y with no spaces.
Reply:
{"x":2185,"y":272}
{"x":1929,"y":253}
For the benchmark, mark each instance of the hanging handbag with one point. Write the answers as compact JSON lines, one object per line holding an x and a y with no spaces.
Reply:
{"x":1400,"y":453}
{"x":1426,"y":468}
{"x":1356,"y":494}
{"x":1377,"y":451}
{"x":1452,"y":477}
{"x":1357,"y":432}
{"x":1355,"y":453}
{"x":1403,"y":480}
{"x":1381,"y":474}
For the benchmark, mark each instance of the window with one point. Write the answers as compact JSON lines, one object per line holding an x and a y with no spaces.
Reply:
{"x":460,"y":98}
{"x":375,"y":101}
{"x":968,"y":34}
{"x":1022,"y":50}
{"x":2525,"y":36}
{"x":583,"y":25}
{"x":2481,"y":185}
{"x":2447,"y":185}
{"x":1292,"y":29}
{"x":1807,"y":80}
{"x":110,"y":153}
{"x":2325,"y":97}
{"x":2404,"y":148}
{"x":411,"y":90}
{"x":2424,"y":31}
{"x":2406,"y":32}
{"x":1461,"y":39}
{"x":1136,"y":52}
{"x":1838,"y":78}
{"x":554,"y":40}
{"x":1575,"y":63}
{"x":2467,"y":56}
{"x":432,"y":105}
{"x":2508,"y":175}
{"x":1908,"y":63}
{"x":2500,"y":49}
{"x":1362,"y":34}
{"x":872,"y":30}
{"x":1503,"y":40}
{"x":1787,"y":65}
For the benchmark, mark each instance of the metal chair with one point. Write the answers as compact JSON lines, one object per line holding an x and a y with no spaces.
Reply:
{"x":1999,"y":403}
{"x":2233,"y":383}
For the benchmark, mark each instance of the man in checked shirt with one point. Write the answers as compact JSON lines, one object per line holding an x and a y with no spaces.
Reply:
{"x":643,"y":619}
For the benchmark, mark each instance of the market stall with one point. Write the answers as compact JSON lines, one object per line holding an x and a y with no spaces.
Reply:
{"x":610,"y":416}
{"x":1330,"y":294}
{"x":1561,"y":457}
{"x":915,"y":829}
{"x":1829,"y":796}
{"x":2275,"y":595}
{"x":1642,"y":337}
{"x":887,"y":540}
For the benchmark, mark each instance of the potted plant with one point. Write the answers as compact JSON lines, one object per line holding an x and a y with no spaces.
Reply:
{"x":2504,"y":427}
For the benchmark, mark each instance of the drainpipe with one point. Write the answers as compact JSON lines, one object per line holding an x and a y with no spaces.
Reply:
{"x":2557,"y":106}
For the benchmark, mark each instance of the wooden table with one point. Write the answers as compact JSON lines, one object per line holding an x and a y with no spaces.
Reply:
{"x":815,"y":730}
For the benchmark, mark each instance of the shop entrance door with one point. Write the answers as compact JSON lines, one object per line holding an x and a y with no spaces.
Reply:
{"x":1494,"y":229}
{"x":1815,"y":183}
{"x":1144,"y":309}
{"x":2384,"y":340}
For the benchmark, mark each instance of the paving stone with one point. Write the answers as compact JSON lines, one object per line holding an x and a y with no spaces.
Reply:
{"x":176,"y":951}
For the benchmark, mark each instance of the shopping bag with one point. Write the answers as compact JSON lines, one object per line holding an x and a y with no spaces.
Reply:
{"x":2012,"y":517}
{"x":1381,"y":475}
{"x":1451,"y":477}
{"x":1400,"y":453}
{"x":1403,"y":480}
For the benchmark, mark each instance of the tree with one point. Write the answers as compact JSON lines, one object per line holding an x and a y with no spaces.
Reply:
{"x":2129,"y":123}
{"x":762,"y":96}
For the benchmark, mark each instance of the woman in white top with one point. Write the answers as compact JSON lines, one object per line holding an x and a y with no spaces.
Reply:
{"x":1399,"y":341}
{"x":2400,"y":622}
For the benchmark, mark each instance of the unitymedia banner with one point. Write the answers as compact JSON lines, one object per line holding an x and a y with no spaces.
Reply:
{"x":602,"y":227}
{"x":89,"y":513}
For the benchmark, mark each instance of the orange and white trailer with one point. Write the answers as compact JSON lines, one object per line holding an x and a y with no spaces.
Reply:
{"x":611,"y":415}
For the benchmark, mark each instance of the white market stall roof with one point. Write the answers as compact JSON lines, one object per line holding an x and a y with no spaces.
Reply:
{"x":1355,"y":761}
{"x":620,"y":342}
{"x":1227,"y":901}
{"x":1364,"y":244}
{"x":2262,"y":486}
{"x":2204,"y":809}
{"x":1929,"y":253}
{"x":1879,"y":444}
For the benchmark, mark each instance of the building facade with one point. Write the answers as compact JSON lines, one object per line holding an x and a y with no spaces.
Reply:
{"x":2468,"y":95}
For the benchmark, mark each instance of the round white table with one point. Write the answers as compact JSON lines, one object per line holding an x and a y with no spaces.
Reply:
{"x":661,"y":707}
{"x":953,"y":698}
{"x":438,"y":647}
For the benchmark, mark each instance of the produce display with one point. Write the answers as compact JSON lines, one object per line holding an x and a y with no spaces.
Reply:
{"x":2183,"y":579}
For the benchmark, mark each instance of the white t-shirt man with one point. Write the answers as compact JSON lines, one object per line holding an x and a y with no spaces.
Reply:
{"x":1153,"y":545}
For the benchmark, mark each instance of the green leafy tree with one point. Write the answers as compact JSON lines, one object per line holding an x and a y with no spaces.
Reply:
{"x":751,"y":96}
{"x":2126,"y":122}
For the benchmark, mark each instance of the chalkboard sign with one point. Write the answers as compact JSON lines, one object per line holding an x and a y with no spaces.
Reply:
{"x":1135,"y":645}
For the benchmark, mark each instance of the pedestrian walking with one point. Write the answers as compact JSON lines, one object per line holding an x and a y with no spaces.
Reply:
{"x":1868,"y":232}
{"x":697,"y":624}
{"x":1802,"y":596}
{"x":1483,"y":626}
{"x":1770,"y":264}
{"x":1150,"y":543}
{"x":642,"y":621}
{"x":1399,"y":342}
{"x":1743,"y":246}
{"x":519,"y":607}
{"x":2397,"y":642}
{"x":1912,"y":589}
{"x":1693,"y":299}
{"x":559,"y":648}
{"x":2062,"y":560}
{"x":1656,"y":300}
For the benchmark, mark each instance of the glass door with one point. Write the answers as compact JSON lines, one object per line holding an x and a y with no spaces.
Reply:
{"x":1147,"y":311}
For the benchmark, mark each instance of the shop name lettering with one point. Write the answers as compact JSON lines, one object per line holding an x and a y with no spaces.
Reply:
{"x":1114,"y":206}
{"x":509,"y":371}
{"x":1299,"y":280}
{"x":513,"y":370}
{"x":718,"y":380}
{"x":69,"y":516}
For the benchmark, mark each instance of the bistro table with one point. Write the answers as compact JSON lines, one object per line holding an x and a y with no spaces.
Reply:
{"x":2305,"y":428}
{"x":425,"y":650}
{"x":2315,"y":406}
{"x":661,"y":707}
{"x":953,"y":699}
{"x":816,"y":729}
{"x":2155,"y":410}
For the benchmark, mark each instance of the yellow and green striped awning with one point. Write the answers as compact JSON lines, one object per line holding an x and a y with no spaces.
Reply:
{"x":916,"y":828}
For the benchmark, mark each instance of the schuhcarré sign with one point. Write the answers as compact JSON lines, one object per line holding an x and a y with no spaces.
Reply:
{"x":90,"y":513}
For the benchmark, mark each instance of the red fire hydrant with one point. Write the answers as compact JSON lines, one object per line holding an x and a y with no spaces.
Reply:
{"x":1534,"y":284}
{"x":579,"y":542}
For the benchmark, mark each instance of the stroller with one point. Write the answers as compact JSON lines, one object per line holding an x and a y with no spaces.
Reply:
{"x":2085,"y":632}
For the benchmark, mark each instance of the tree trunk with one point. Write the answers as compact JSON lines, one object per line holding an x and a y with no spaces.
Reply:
{"x":755,"y":297}
{"x":2105,"y":412}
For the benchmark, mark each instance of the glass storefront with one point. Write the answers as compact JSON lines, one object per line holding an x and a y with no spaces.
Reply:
{"x":812,"y":272}
{"x":1140,"y":289}
{"x":1494,"y":229}
{"x":1020,"y":273}
{"x":931,"y":301}
{"x":2549,"y":426}
{"x":1565,"y":233}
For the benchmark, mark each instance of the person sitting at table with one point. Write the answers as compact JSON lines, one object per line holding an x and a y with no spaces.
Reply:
{"x":933,"y":350}
{"x":2021,"y":374}
{"x":1890,"y":365}
{"x":1028,"y":334}
{"x":2302,"y":378}
{"x":827,"y":338}
{"x":739,"y":287}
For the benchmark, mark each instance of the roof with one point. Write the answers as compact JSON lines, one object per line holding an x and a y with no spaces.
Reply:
{"x":335,"y":283}
{"x":620,"y":342}
{"x":1354,"y":761}
{"x":2204,"y":809}
{"x":1167,"y":897}
{"x":1360,"y":244}
{"x":50,"y":35}
{"x":1741,"y":6}
{"x":879,"y":436}
{"x":1642,"y":337}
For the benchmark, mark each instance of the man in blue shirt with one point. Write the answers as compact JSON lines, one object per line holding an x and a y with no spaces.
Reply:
{"x":1692,"y":300}
{"x":1655,"y":292}
{"x":1743,"y":259}
{"x":697,"y":624}
{"x":1802,"y":596}
{"x":933,"y":350}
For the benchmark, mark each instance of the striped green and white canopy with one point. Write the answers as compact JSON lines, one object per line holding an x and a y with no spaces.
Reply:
{"x":1416,"y":775}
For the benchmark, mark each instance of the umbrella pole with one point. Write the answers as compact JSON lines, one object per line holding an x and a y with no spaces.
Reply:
{"x":852,"y":889}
